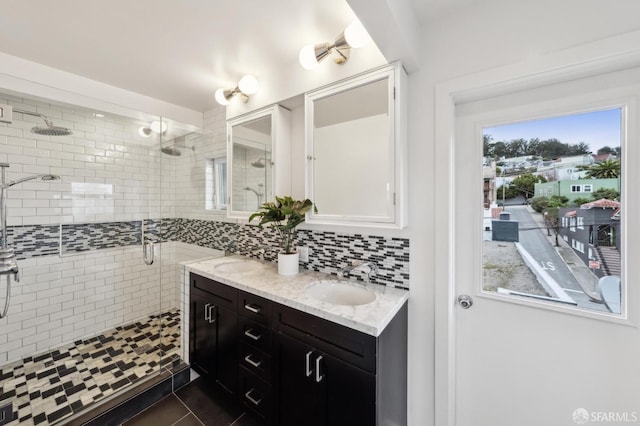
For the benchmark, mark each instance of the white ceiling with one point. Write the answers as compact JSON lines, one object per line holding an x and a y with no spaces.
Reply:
{"x":176,"y":51}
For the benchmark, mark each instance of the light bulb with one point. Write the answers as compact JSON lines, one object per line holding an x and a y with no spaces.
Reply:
{"x":159,"y":127}
{"x":355,"y":35}
{"x":248,"y":85}
{"x":220,"y":97}
{"x":307,"y":57}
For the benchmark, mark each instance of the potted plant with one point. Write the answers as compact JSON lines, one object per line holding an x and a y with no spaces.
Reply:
{"x":284,"y":214}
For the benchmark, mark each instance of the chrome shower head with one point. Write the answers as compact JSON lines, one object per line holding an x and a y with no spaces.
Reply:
{"x":258,"y":164}
{"x":51,"y":131}
{"x":171,"y":150}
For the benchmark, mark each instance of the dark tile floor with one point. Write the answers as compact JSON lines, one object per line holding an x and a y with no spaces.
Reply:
{"x":198,"y":403}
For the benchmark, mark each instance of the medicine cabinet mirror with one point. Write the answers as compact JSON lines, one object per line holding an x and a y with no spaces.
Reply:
{"x":355,"y":150}
{"x":254,"y":141}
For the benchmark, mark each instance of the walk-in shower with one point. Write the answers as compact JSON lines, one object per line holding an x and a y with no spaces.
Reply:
{"x":8,"y":264}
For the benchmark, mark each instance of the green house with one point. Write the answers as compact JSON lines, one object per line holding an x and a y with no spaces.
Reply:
{"x":572,"y":189}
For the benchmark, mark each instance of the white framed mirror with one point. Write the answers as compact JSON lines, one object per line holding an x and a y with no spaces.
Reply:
{"x":355,"y":151}
{"x":257,"y":154}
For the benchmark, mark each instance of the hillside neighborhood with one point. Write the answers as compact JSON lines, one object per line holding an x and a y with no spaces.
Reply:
{"x":563,"y":217}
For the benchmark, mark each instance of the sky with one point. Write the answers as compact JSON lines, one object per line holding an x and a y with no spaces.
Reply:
{"x":596,"y":129}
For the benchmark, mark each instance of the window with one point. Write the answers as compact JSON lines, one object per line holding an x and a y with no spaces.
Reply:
{"x":216,"y":183}
{"x":558,"y":221}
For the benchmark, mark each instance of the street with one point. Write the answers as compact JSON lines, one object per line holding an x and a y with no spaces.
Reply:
{"x":534,"y":240}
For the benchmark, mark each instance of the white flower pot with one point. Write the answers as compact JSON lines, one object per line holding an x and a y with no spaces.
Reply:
{"x":288,"y":263}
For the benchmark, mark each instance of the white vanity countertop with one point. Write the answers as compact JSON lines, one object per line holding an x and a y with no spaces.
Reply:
{"x":371,"y":318}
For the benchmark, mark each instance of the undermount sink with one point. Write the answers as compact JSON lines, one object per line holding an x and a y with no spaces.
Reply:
{"x":238,"y":266}
{"x":339,"y":293}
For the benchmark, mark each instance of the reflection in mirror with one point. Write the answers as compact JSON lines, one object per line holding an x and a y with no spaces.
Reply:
{"x":252,"y":177}
{"x":552,"y":210}
{"x":352,"y":153}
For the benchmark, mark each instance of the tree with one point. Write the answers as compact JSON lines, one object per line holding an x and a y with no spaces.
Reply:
{"x":579,"y":201}
{"x":605,"y":150}
{"x":551,"y":216}
{"x":506,"y":192}
{"x":538,"y":204}
{"x":525,"y":184}
{"x":606,"y":169}
{"x":608,"y":193}
{"x":487,"y":147}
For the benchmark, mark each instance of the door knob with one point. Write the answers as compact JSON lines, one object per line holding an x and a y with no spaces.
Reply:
{"x":465,"y":301}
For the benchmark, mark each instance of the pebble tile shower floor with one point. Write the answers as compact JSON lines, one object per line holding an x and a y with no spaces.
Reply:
{"x":52,"y":386}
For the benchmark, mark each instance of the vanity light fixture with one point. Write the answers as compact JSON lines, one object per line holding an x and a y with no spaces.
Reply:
{"x":354,"y":36}
{"x":248,"y":85}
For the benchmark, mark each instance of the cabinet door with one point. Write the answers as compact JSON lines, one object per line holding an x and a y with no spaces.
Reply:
{"x":227,"y":349}
{"x":214,"y":343}
{"x":202,"y":334}
{"x":349,"y":393}
{"x":298,"y":393}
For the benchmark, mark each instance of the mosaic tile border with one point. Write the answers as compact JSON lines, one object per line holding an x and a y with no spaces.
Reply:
{"x":89,"y":236}
{"x":34,"y":240}
{"x":52,"y":386}
{"x":330,"y":251}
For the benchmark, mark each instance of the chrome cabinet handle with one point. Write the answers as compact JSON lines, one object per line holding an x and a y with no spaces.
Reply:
{"x":209,"y":314}
{"x":253,"y":308}
{"x":212,"y":314}
{"x":319,"y":376}
{"x":253,"y":400}
{"x":251,"y":335}
{"x":308,"y":363}
{"x":256,"y":364}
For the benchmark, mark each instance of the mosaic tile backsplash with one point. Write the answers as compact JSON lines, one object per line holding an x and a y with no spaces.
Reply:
{"x":329,"y":251}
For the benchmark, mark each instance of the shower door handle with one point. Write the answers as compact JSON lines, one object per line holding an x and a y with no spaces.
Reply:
{"x":148,"y":252}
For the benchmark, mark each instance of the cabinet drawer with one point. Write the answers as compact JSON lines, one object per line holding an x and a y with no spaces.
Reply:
{"x":255,"y":395}
{"x":254,"y":334}
{"x":350,"y":345}
{"x":255,"y":361}
{"x":255,"y":307}
{"x":226,"y":295}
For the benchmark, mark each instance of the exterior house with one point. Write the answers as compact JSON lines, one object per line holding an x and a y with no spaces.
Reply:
{"x":489,"y":182}
{"x":577,"y":188}
{"x":593,"y":232}
{"x":565,"y":168}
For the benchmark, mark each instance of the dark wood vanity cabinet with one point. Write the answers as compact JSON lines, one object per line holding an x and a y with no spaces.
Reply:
{"x":213,"y":324}
{"x":293,"y":368}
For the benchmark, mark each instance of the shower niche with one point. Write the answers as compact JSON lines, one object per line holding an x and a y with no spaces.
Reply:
{"x":257,"y":159}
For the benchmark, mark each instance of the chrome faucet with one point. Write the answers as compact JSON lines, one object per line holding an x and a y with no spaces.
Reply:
{"x":370,"y":267}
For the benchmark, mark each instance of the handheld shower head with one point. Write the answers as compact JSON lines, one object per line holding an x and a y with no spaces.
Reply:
{"x":28,"y":178}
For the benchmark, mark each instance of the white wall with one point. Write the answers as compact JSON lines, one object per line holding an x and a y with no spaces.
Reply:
{"x":483,"y":35}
